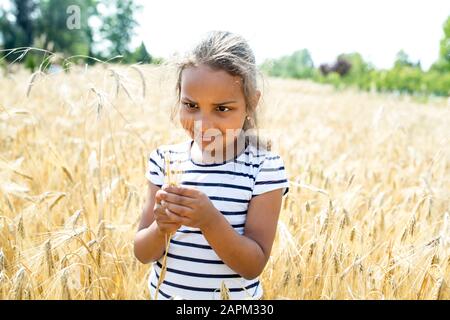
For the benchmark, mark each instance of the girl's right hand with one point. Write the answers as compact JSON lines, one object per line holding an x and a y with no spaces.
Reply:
{"x":165,"y":225}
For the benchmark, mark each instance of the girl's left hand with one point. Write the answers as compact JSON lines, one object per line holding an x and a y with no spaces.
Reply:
{"x":188,"y":206}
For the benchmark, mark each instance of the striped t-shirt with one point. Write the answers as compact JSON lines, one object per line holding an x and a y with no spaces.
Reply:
{"x":194,"y":270}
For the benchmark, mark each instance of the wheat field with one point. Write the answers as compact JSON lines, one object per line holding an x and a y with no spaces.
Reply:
{"x":367,"y":215}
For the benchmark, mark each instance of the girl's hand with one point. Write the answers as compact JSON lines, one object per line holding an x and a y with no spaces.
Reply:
{"x":164,"y":223}
{"x":187,"y":206}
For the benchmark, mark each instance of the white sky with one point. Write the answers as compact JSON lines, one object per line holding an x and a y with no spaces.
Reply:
{"x":376,"y":29}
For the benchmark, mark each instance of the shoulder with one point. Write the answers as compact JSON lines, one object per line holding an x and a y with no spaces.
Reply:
{"x":264,"y":157}
{"x":271,"y":174}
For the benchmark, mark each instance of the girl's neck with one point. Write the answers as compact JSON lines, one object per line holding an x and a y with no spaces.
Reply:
{"x":209,"y":156}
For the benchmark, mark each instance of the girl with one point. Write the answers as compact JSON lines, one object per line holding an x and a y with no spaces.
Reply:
{"x":222,"y":217}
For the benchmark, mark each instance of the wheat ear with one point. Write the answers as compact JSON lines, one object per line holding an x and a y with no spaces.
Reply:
{"x":172,"y":181}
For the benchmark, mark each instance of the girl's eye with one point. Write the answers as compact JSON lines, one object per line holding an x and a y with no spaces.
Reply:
{"x":221,"y":108}
{"x":189,"y":105}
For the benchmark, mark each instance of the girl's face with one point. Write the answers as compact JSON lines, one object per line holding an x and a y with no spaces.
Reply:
{"x":212,"y":102}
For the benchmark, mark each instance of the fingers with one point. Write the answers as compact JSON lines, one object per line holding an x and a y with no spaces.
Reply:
{"x":160,"y":214}
{"x":176,"y":208}
{"x":181,"y":190}
{"x":168,"y":227}
{"x":164,"y":222}
{"x":177,"y":199}
{"x":164,"y":215}
{"x":171,"y":213}
{"x":176,"y":218}
{"x":158,"y":196}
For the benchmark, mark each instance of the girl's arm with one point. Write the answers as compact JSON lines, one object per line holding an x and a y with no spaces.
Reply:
{"x":150,"y":239}
{"x":246,"y":254}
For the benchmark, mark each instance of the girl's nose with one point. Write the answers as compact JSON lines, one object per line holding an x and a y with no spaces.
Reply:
{"x":204,"y":123}
{"x":205,"y":128}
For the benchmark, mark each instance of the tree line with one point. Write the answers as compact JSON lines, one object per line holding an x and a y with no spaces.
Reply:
{"x":350,"y":69}
{"x":87,"y":30}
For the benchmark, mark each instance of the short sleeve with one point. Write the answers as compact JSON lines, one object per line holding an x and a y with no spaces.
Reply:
{"x":155,"y":168}
{"x":271,"y":175}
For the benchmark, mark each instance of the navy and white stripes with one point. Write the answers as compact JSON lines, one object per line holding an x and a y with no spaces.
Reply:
{"x":194,"y":271}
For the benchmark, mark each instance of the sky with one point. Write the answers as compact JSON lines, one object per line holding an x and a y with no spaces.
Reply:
{"x":273,"y":28}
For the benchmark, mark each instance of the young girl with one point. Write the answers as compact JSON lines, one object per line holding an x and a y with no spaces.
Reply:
{"x":223,"y":215}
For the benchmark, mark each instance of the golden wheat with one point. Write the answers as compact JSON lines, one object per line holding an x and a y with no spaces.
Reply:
{"x":366,"y":216}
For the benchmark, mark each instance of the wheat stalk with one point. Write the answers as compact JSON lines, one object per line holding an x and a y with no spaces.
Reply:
{"x":49,"y":256}
{"x":437,"y":290}
{"x":19,"y":283}
{"x":224,"y":292}
{"x":2,"y":283}
{"x":170,"y":180}
{"x":65,"y":286}
{"x":2,"y":260}
{"x":32,"y":80}
{"x":141,"y":75}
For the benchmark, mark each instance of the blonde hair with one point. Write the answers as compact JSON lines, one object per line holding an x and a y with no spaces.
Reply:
{"x":223,"y":50}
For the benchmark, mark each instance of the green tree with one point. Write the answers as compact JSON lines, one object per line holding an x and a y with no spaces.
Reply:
{"x":402,"y":60}
{"x":54,"y":25}
{"x":140,"y":55}
{"x":118,"y":27}
{"x":17,"y":25}
{"x":297,"y":65}
{"x":443,"y":63}
{"x":359,"y":69}
{"x":8,"y":29}
{"x":301,"y":64}
{"x":59,"y":35}
{"x":24,"y":10}
{"x":91,"y":11}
